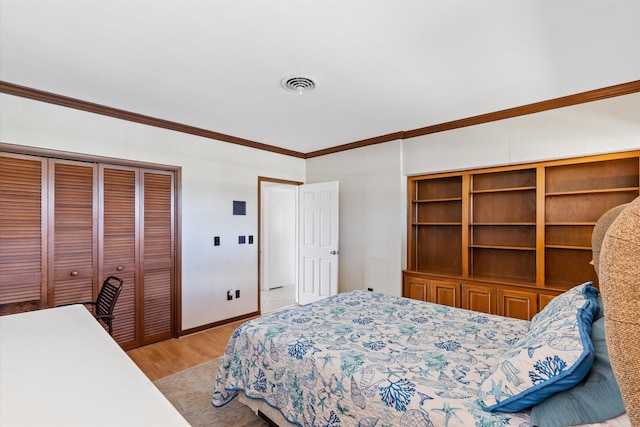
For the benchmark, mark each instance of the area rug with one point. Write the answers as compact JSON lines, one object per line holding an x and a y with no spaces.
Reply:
{"x":190,"y":392}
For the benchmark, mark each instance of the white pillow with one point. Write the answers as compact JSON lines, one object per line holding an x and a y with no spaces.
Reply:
{"x":554,"y":355}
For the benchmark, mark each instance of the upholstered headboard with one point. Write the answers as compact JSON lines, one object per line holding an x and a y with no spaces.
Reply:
{"x":600,"y":230}
{"x":617,"y":263}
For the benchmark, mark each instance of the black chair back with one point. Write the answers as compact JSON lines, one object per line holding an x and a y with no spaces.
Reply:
{"x":108,"y":296}
{"x":106,"y":301}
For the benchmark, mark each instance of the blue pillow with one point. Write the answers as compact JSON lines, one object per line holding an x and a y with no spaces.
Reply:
{"x":554,"y":355}
{"x":600,"y":310}
{"x":593,"y":400}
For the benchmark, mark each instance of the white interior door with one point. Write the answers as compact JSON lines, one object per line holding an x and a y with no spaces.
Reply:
{"x":318,"y":246}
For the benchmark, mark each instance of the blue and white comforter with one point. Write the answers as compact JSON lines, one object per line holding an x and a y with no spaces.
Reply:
{"x":369,"y":359}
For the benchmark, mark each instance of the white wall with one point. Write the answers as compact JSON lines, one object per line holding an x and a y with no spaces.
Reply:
{"x":214,"y":174}
{"x":279,"y":235}
{"x":372,"y":202}
{"x":596,"y":127}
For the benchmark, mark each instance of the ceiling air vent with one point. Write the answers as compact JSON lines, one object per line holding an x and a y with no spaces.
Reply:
{"x":298,"y":84}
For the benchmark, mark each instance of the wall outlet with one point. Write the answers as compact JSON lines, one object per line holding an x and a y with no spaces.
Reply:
{"x":229,"y":295}
{"x":237,"y":293}
{"x":216,"y":241}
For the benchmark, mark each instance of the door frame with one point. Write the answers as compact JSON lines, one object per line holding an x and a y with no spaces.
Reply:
{"x":262,"y":179}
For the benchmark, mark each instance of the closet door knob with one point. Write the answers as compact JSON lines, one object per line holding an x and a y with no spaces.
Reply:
{"x":74,"y":273}
{"x":119,"y":268}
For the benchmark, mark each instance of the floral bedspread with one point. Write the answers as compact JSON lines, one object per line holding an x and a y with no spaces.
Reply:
{"x":368,"y":359}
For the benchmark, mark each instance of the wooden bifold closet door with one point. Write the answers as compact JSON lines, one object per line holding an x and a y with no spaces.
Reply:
{"x":23,"y":231}
{"x":157,"y":255}
{"x":73,"y":232}
{"x":66,"y":225}
{"x":120,"y":248}
{"x":136,"y":230}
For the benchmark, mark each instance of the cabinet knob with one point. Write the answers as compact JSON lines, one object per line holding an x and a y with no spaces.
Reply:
{"x":74,"y":273}
{"x":119,"y":268}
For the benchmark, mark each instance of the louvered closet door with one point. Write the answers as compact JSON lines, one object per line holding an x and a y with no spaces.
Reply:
{"x":23,"y":254}
{"x":73,"y":227}
{"x":157,"y":255}
{"x":119,"y":247}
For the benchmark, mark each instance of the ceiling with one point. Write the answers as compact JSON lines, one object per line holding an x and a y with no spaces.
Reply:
{"x":380,"y":66}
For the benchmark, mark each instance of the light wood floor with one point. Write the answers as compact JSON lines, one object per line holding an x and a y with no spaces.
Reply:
{"x":168,"y":357}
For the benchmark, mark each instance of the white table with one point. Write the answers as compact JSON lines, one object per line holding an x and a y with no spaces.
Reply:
{"x":59,"y":367}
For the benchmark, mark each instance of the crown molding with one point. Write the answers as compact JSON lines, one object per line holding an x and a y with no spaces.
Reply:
{"x":77,"y":104}
{"x":537,"y":107}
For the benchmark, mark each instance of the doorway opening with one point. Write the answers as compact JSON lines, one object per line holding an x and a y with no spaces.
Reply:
{"x":277,"y":243}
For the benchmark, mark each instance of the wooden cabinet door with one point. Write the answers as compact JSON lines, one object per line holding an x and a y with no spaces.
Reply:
{"x":23,"y":230}
{"x":517,"y":304}
{"x":73,"y":232}
{"x":479,"y":298}
{"x":544,"y":300}
{"x":416,"y":287}
{"x":157,"y":256}
{"x":119,"y":231}
{"x":445,"y":293}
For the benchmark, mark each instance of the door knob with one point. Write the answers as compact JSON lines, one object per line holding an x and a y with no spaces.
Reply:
{"x":334,"y":252}
{"x":119,"y":268}
{"x":74,"y":273}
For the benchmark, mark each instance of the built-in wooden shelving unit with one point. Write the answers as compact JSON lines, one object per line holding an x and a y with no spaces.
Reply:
{"x":507,"y":239}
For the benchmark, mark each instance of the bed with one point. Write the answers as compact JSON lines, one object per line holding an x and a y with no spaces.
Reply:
{"x":369,"y":359}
